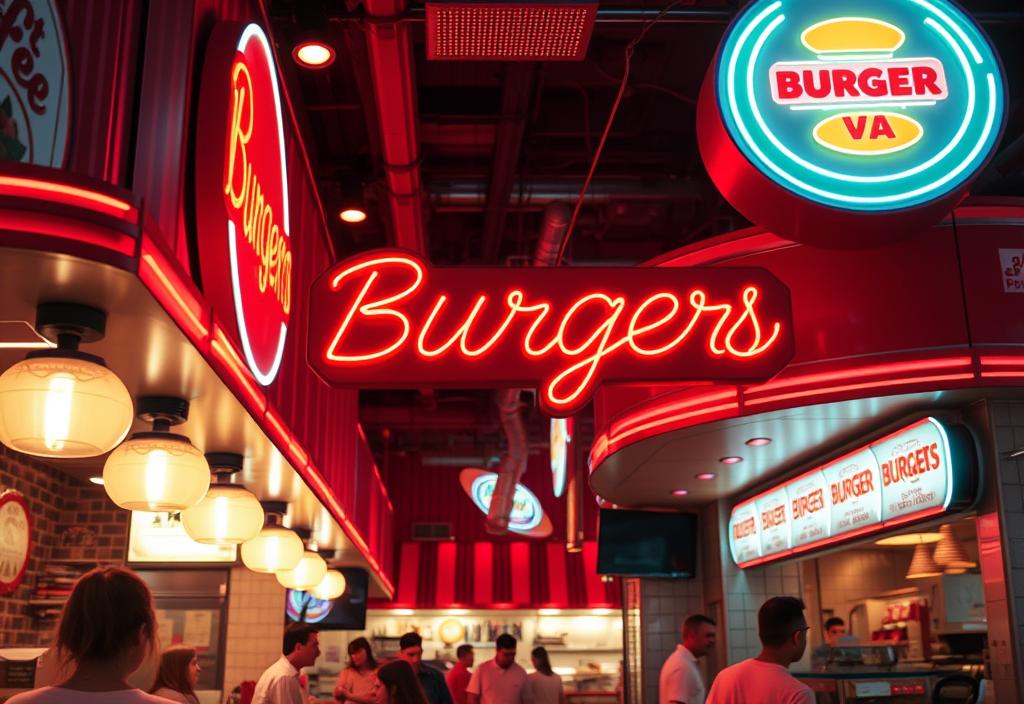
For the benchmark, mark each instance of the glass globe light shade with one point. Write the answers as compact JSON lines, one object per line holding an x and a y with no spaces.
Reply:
{"x":331,"y":586}
{"x":63,"y":406}
{"x":156,"y":471}
{"x":229,"y":515}
{"x":304,"y":576}
{"x":275,"y":548}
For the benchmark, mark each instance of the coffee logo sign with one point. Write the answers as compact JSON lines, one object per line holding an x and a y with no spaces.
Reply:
{"x":242,"y":193}
{"x":853,"y":107}
{"x":33,"y":83}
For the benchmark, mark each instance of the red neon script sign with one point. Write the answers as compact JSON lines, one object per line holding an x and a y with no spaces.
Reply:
{"x":385,"y":319}
{"x":242,"y":194}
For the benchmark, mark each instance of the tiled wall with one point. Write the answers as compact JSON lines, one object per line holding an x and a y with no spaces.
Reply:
{"x":665,"y":604}
{"x":255,"y":626}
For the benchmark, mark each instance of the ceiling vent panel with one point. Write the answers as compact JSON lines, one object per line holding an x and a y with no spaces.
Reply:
{"x":432,"y":531}
{"x":509,"y":31}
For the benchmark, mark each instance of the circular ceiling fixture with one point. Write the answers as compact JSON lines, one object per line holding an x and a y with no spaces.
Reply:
{"x":759,"y":442}
{"x":61,"y":402}
{"x":229,"y":514}
{"x":307,"y":573}
{"x":275,"y":547}
{"x":352,"y":215}
{"x":313,"y":53}
{"x":157,"y":470}
{"x":331,"y":586}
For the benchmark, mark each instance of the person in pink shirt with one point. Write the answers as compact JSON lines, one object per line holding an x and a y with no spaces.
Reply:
{"x":782,"y":628}
{"x":458,"y":677}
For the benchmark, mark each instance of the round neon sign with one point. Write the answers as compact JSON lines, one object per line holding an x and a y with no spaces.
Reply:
{"x":883,"y":110}
{"x":527,"y":517}
{"x":242,"y":194}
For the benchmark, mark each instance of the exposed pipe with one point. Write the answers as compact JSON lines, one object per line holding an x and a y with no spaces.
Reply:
{"x":513,"y":463}
{"x":575,"y":481}
{"x":473,"y":193}
{"x":389,"y":46}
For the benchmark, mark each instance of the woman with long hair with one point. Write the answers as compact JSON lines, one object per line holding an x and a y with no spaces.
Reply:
{"x":357,"y":682}
{"x":178,"y":674}
{"x":106,"y":631}
{"x":397,"y":684}
{"x":543,"y":686}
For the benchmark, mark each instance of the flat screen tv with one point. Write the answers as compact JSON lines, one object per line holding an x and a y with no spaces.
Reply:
{"x":346,"y":613}
{"x":647,"y":543}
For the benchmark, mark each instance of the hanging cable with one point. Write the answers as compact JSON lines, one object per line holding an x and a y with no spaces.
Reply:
{"x":608,"y":125}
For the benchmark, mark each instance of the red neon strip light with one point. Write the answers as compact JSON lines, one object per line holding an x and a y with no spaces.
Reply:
{"x":859,"y":372}
{"x":1002,"y":375}
{"x":221,"y":347}
{"x":853,"y":387}
{"x":67,"y":194}
{"x":1002,"y":361}
{"x":636,"y":418}
{"x":674,"y":419}
{"x":186,"y":313}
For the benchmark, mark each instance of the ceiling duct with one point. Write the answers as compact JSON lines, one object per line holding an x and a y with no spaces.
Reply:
{"x":513,"y":464}
{"x":509,"y":31}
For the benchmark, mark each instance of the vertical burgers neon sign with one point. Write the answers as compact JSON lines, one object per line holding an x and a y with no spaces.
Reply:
{"x":824,"y":120}
{"x":242,"y":194}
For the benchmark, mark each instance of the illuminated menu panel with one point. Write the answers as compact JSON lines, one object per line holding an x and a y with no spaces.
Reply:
{"x":901,"y":477}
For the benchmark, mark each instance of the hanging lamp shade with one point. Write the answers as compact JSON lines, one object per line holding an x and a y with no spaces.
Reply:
{"x":949,"y":553}
{"x":157,"y":470}
{"x":922,"y":565}
{"x":229,"y":514}
{"x":310,"y":571}
{"x":275,"y":547}
{"x":331,"y":586}
{"x":61,"y":402}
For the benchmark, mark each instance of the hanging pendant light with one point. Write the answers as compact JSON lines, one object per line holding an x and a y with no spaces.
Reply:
{"x":922,"y":565}
{"x":62,"y":402}
{"x":229,"y":514}
{"x":157,"y":470}
{"x":275,"y":547}
{"x":331,"y":586}
{"x":949,"y":553}
{"x":309,"y":571}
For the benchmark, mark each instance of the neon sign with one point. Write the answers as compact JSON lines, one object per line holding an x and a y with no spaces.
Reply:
{"x":919,"y":471}
{"x":385,"y":319}
{"x":560,"y":437}
{"x":814,"y":112}
{"x":242,"y":194}
{"x":527,"y":517}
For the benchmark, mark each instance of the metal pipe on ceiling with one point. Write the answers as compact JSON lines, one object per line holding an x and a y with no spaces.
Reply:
{"x":389,"y":46}
{"x":473,"y":193}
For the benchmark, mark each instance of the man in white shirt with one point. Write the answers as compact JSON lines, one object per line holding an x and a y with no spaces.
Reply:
{"x":681,"y":681}
{"x":279,"y":683}
{"x":782,"y":628}
{"x":501,"y":680}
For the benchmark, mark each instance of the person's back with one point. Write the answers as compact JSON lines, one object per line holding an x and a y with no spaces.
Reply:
{"x":543,"y":689}
{"x":106,"y":630}
{"x":756,"y":682}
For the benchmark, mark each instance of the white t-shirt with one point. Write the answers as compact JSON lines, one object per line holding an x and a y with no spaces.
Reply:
{"x":498,"y":686}
{"x":757,"y":682}
{"x":279,"y":684}
{"x":60,"y":695}
{"x":681,"y":680}
{"x":543,"y":689}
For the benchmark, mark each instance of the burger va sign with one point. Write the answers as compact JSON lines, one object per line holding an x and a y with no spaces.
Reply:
{"x":832,"y":122}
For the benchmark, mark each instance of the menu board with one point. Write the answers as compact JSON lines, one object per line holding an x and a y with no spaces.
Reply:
{"x":899,"y":477}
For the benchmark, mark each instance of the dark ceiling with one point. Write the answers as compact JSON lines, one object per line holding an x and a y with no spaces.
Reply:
{"x":497,"y":141}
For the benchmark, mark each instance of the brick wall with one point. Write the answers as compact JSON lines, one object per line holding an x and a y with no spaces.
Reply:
{"x":57,"y":502}
{"x":255,"y":626}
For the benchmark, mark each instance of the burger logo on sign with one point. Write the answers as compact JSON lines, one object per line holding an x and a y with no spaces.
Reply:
{"x":33,"y":83}
{"x":242,"y":195}
{"x":826,"y":122}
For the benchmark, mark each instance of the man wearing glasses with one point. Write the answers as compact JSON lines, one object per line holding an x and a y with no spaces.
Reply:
{"x":782,"y":628}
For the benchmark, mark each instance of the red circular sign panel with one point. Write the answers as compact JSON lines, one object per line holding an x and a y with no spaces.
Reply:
{"x":242,"y":194}
{"x":15,"y":540}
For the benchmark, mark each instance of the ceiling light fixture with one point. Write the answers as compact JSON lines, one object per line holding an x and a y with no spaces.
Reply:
{"x":910,"y":539}
{"x":308,"y":572}
{"x":157,"y":470}
{"x":352,"y":216}
{"x":331,"y":587}
{"x":731,"y":460}
{"x":62,"y":402}
{"x":680,"y":492}
{"x":949,"y":553}
{"x":275,"y":547}
{"x":229,"y":514}
{"x":96,"y":480}
{"x":313,"y":53}
{"x":922,"y":565}
{"x":706,"y":476}
{"x":759,"y":442}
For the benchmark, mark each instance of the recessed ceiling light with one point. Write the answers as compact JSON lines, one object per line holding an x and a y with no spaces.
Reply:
{"x":910,"y":539}
{"x":731,"y":460}
{"x":352,"y":215}
{"x":706,"y":476}
{"x":759,"y":442}
{"x":313,"y":54}
{"x":96,"y":480}
{"x":680,"y":492}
